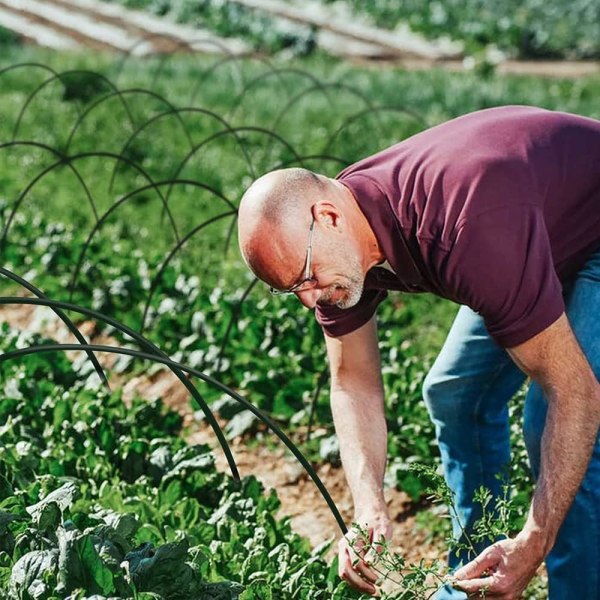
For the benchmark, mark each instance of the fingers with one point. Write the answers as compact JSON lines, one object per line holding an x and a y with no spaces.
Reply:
{"x":471,"y":579}
{"x":362,"y":566}
{"x":377,"y":546}
{"x":352,"y":573}
{"x":353,"y":568}
{"x":475,"y":586}
{"x":487,"y":561}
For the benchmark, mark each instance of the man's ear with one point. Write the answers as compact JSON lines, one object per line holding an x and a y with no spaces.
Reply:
{"x":328,"y":215}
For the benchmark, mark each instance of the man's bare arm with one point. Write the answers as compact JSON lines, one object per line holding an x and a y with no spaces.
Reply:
{"x":358,"y":413}
{"x":357,"y":407}
{"x":556,"y":362}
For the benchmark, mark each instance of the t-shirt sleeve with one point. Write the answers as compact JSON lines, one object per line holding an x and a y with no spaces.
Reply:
{"x":501,"y":266}
{"x":340,"y":321}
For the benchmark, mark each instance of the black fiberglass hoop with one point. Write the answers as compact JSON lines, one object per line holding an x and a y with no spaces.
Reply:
{"x":154,"y":351}
{"x":166,"y":262}
{"x":233,"y":131}
{"x":204,"y":75}
{"x":206,"y":378}
{"x":120,"y":94}
{"x":164,"y":56}
{"x":58,"y":77}
{"x":278,"y":72}
{"x":367,"y":111}
{"x":177,"y":41}
{"x":124,"y":199}
{"x":27,"y":65}
{"x":182,"y":110}
{"x":320,"y":384}
{"x":77,"y":157}
{"x":229,"y":236}
{"x":126,"y":55}
{"x":66,"y":162}
{"x":219,"y":46}
{"x":36,"y":65}
{"x":61,"y":315}
{"x":234,"y":315}
{"x":321,"y":87}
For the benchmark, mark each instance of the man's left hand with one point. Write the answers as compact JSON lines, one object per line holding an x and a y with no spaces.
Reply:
{"x":501,"y":571}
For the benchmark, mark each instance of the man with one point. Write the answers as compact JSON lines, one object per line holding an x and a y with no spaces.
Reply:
{"x":498,"y":210}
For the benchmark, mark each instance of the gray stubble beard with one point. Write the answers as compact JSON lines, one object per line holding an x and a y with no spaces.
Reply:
{"x":354,"y":287}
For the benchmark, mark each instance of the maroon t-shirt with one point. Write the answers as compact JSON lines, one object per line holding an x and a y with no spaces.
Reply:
{"x":496,"y":209}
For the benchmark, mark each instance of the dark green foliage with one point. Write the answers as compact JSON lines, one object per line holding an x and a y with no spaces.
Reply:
{"x":83,"y":86}
{"x":8,"y":37}
{"x":100,"y":498}
{"x":274,"y":353}
{"x":137,"y":482}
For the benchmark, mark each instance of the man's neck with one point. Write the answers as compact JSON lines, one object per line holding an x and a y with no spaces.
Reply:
{"x":366,"y":237}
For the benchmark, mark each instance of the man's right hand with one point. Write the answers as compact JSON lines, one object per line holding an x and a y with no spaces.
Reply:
{"x":356,"y":563}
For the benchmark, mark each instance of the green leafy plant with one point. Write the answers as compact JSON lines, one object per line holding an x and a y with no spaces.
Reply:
{"x":527,"y":29}
{"x":499,"y":518}
{"x":97,"y":497}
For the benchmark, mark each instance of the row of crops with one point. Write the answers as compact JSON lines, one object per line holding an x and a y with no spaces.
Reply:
{"x":119,"y":182}
{"x":523,"y":29}
{"x":102,"y":499}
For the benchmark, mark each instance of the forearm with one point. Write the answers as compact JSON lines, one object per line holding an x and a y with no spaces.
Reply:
{"x":362,"y":432}
{"x":555,"y":361}
{"x":570,"y":433}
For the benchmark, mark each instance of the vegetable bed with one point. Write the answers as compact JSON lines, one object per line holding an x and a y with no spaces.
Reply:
{"x":98,"y":498}
{"x":102,"y":499}
{"x":523,"y":29}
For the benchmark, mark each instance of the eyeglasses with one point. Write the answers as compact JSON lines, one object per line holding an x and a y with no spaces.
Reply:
{"x":307,"y":277}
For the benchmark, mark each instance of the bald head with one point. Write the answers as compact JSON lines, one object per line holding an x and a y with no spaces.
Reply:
{"x":274,"y":222}
{"x":274,"y":219}
{"x":280,"y":196}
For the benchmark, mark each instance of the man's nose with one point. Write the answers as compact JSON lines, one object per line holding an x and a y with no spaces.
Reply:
{"x":309,"y":297}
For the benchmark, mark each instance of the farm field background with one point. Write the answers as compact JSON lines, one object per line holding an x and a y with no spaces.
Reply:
{"x":517,"y":29}
{"x":125,"y":203}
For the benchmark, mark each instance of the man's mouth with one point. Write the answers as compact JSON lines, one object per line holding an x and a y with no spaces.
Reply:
{"x":332,"y":297}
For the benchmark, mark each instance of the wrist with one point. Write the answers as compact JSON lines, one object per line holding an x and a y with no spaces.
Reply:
{"x":371,"y":510}
{"x":538,"y":541}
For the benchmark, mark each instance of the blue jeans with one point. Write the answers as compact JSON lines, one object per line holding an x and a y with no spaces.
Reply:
{"x":467,"y":392}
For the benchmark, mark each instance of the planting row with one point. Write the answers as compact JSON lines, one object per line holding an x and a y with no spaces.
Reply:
{"x":530,"y":29}
{"x":525,"y":29}
{"x":103,"y":499}
{"x":270,"y":350}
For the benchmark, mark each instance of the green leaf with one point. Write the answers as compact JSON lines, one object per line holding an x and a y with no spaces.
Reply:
{"x":49,"y":516}
{"x":95,"y":567}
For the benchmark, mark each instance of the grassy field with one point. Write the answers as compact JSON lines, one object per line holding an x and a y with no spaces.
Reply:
{"x":149,"y":154}
{"x":143,"y":153}
{"x":171,"y":119}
